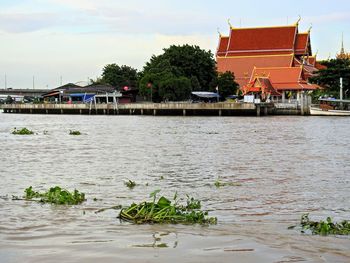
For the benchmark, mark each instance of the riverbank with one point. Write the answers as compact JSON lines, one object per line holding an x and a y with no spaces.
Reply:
{"x":174,"y":109}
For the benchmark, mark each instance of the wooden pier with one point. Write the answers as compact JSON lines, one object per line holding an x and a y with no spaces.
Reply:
{"x":176,"y":109}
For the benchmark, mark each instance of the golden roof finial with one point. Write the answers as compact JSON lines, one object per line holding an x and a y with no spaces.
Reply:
{"x":309,"y":30}
{"x":218,"y":29}
{"x":229,"y":23}
{"x":342,"y":51}
{"x":297,"y":23}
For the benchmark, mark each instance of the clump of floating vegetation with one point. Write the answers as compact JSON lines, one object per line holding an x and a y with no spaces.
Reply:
{"x":131,"y":184}
{"x":163,"y":211}
{"x":23,"y":131}
{"x":74,"y":132}
{"x":55,"y":195}
{"x":324,"y":228}
{"x":218,"y":183}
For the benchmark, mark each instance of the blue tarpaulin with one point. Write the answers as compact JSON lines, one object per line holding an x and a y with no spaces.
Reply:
{"x":85,"y":97}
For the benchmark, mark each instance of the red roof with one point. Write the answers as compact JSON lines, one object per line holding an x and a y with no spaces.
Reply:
{"x":222,"y":48}
{"x":242,"y":67}
{"x":312,"y":61}
{"x":285,"y":78}
{"x":301,"y":43}
{"x":245,"y":41}
{"x":280,"y":74}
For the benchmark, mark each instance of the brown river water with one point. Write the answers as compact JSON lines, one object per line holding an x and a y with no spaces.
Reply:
{"x":283,"y":166}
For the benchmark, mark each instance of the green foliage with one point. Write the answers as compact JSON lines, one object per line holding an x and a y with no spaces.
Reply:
{"x":175,"y":89}
{"x":9,"y":100}
{"x":324,"y":228}
{"x":23,"y":131}
{"x":329,"y":78}
{"x":179,"y":67}
{"x":227,"y":85}
{"x":56,"y":195}
{"x":218,"y":183}
{"x":119,"y":76}
{"x":74,"y":133}
{"x":164,"y":211}
{"x":130,"y":184}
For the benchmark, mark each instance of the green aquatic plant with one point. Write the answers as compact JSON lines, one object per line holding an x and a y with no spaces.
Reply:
{"x":55,"y":195}
{"x":130,"y":184}
{"x":218,"y":183}
{"x":163,"y":211}
{"x":23,"y":131}
{"x":324,"y":228}
{"x":74,"y":132}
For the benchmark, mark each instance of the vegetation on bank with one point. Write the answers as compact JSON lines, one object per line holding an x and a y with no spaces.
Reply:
{"x":329,"y":78}
{"x":172,"y":75}
{"x":55,"y":195}
{"x":23,"y":131}
{"x":324,"y":228}
{"x":164,"y":211}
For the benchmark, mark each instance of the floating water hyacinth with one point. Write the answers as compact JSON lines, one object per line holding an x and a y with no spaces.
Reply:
{"x":324,"y":228}
{"x":163,"y":211}
{"x":55,"y":195}
{"x":23,"y":131}
{"x":74,"y":132}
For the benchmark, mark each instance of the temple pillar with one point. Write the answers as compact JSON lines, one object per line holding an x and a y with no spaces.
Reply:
{"x":283,"y":97}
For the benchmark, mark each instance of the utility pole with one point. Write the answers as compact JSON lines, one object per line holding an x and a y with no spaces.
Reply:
{"x":61,"y":80}
{"x":341,"y":93}
{"x":5,"y":81}
{"x":341,"y":89}
{"x":33,"y":82}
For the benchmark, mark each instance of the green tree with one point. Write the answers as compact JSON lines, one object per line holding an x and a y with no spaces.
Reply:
{"x":227,"y":85}
{"x":178,"y":64}
{"x":119,"y":76}
{"x":175,"y":89}
{"x":329,"y":78}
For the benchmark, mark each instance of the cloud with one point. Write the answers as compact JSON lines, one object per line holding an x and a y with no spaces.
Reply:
{"x":22,"y":22}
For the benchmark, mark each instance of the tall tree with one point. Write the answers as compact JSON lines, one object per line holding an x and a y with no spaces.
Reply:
{"x":119,"y":76}
{"x":178,"y":64}
{"x":329,"y":78}
{"x":226,"y":84}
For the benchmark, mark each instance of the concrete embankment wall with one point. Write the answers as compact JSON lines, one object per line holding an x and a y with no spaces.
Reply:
{"x":177,"y":109}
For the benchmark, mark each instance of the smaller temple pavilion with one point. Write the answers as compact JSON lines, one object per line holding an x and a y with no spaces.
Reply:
{"x":269,"y":62}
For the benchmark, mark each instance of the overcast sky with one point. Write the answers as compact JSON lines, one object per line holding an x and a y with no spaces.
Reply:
{"x":76,"y":38}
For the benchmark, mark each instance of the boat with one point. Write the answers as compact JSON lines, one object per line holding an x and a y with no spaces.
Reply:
{"x":331,"y":107}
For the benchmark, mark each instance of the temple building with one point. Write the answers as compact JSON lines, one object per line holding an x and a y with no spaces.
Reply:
{"x":343,"y":54}
{"x":268,"y":61}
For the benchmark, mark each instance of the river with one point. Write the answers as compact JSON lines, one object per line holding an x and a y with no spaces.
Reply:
{"x":282,"y":167}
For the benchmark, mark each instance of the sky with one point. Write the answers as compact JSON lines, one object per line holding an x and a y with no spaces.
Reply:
{"x":44,"y":42}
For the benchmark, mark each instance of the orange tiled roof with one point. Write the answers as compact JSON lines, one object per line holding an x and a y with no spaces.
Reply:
{"x":301,"y":43}
{"x":242,"y":67}
{"x":312,"y":61}
{"x":285,"y":78}
{"x":222,"y":48}
{"x":280,"y":74}
{"x":245,"y":41}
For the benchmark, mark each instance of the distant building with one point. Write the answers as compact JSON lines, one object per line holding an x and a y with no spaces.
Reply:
{"x":101,"y":93}
{"x":268,"y":61}
{"x":342,"y":54}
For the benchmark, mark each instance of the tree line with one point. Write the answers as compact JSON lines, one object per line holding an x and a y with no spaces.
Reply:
{"x":173,"y":75}
{"x":329,"y":77}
